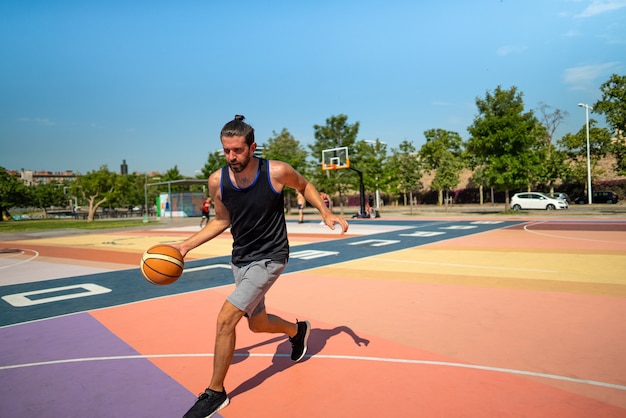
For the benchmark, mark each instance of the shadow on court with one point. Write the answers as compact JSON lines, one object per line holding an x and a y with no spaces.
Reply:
{"x":282,"y":361}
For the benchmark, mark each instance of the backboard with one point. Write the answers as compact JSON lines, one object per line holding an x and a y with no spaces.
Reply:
{"x":335,"y":158}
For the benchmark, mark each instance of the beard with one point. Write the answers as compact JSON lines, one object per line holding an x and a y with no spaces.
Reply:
{"x":239,"y":166}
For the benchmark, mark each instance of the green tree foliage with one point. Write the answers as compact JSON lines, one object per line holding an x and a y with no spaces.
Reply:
{"x":96,"y":188}
{"x":46,"y":195}
{"x":284,"y":147}
{"x":126,"y":193}
{"x":173,"y":174}
{"x":405,"y":170}
{"x":613,"y":106}
{"x":336,"y":133}
{"x":505,"y":139}
{"x":575,"y":147}
{"x":619,"y":151}
{"x":553,"y":167}
{"x":370,"y":157}
{"x":13,"y":193}
{"x":613,"y":102}
{"x":214,"y":162}
{"x":599,"y":142}
{"x":443,"y":153}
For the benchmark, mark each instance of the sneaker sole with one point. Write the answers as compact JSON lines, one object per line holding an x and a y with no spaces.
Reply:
{"x":306,"y":340}
{"x":222,"y":406}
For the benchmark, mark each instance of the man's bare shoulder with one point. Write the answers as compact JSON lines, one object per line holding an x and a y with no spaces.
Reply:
{"x":215,"y":177}
{"x":279,"y":168}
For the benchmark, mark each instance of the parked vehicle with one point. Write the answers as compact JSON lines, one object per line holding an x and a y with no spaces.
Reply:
{"x":536,"y":200}
{"x":599,"y":197}
{"x":564,"y":196}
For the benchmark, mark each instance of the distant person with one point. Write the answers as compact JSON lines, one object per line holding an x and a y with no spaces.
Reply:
{"x":206,"y":211}
{"x":372,"y":211}
{"x":301,"y":202}
{"x":249,"y":199}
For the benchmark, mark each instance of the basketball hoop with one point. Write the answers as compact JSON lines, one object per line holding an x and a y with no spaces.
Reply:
{"x":335,"y":159}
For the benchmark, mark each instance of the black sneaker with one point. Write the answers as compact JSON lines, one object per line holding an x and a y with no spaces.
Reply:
{"x":298,"y":341}
{"x":208,"y":403}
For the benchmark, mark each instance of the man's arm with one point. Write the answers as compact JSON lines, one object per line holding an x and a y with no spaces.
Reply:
{"x":285,"y":175}
{"x":217,"y":225}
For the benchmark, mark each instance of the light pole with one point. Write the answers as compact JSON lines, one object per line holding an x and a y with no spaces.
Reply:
{"x":589,"y":194}
{"x":145,"y":195}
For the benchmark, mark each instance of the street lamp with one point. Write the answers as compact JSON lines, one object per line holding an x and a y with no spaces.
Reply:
{"x":589,"y":194}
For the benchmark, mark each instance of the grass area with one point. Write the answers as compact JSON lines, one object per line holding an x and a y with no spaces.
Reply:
{"x":48,"y":224}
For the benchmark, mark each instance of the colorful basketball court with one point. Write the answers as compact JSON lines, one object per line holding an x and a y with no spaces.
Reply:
{"x":449,"y":317}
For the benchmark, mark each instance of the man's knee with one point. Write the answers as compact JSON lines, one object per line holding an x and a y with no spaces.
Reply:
{"x":228,"y":318}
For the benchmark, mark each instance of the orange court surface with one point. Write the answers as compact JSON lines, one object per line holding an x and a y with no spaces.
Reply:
{"x":411,"y":317}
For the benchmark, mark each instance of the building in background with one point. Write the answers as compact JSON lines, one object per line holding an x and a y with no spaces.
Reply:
{"x":33,"y":178}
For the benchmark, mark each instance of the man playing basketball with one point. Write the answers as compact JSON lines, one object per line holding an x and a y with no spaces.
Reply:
{"x":248,"y":198}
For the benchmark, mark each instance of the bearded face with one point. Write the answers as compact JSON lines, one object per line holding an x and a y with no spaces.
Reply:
{"x":237,"y":153}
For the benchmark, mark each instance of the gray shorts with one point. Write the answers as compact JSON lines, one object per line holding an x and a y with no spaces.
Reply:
{"x":252,"y":283}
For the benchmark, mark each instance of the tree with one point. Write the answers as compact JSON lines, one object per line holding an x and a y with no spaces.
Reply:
{"x":49,"y":194}
{"x":443,"y":153}
{"x":336,"y":133}
{"x":553,"y":167}
{"x":126,"y":193}
{"x":505,"y":139}
{"x":613,"y":106}
{"x":96,"y":188}
{"x":405,"y":170}
{"x":575,"y":147}
{"x":371,"y":158}
{"x":214,"y":162}
{"x":13,"y":193}
{"x":618,"y":148}
{"x":284,"y":147}
{"x":478,"y":179}
{"x":173,"y":174}
{"x":613,"y":103}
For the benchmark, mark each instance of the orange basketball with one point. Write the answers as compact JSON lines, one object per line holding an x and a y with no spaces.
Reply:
{"x":162,"y":264}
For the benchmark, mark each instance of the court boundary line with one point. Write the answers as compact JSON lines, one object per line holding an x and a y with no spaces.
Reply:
{"x":527,"y":227}
{"x":332,"y":357}
{"x":35,"y":255}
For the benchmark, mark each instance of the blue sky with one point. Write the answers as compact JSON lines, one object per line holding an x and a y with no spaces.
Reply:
{"x":91,"y":83}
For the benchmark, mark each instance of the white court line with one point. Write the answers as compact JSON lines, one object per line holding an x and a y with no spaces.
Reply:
{"x":526,"y":228}
{"x":36,"y":254}
{"x":209,"y":267}
{"x":465,"y":265}
{"x":335,"y":357}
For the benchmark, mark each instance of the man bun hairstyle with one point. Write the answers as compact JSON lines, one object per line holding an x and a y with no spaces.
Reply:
{"x":237,"y":127}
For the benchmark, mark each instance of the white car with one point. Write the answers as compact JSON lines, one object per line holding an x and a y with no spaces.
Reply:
{"x":536,"y":200}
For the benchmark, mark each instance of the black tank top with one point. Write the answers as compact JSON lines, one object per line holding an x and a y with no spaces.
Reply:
{"x":257,"y":216}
